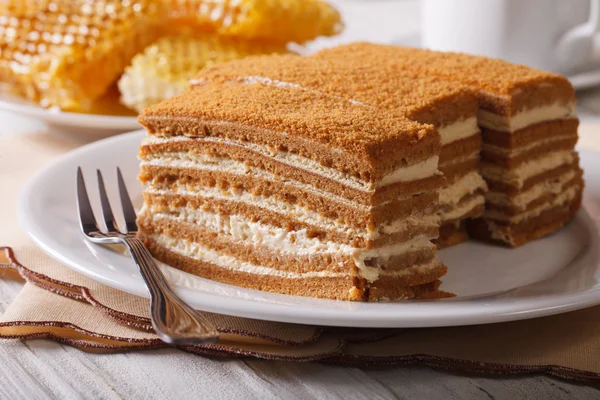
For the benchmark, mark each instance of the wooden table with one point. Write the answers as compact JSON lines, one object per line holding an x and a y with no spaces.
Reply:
{"x":43,"y":369}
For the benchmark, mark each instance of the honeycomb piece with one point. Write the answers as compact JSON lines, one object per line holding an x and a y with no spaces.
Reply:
{"x":67,"y":53}
{"x":165,"y":67}
{"x":282,"y":21}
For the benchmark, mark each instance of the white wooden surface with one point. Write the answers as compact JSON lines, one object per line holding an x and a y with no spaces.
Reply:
{"x":44,"y":369}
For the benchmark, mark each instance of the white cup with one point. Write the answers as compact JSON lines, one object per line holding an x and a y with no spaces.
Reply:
{"x":554,"y":35}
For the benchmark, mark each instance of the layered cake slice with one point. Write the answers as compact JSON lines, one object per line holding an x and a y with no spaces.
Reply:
{"x":529,"y":133}
{"x":268,"y":187}
{"x":451,"y":108}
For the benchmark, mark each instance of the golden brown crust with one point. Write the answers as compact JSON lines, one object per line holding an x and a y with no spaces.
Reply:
{"x":381,"y":140}
{"x":420,"y":98}
{"x":504,"y":88}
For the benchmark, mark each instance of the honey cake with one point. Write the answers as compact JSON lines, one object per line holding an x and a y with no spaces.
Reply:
{"x":294,"y":192}
{"x":529,"y":133}
{"x":452,"y":109}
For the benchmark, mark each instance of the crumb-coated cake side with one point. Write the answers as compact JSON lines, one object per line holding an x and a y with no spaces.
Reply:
{"x":452,"y":109}
{"x":529,"y":133}
{"x":295,"y":192}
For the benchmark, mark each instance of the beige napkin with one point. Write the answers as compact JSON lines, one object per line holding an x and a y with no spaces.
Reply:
{"x":56,"y":303}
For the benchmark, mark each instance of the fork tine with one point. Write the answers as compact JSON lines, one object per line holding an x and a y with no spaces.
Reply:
{"x":87,"y":220}
{"x":107,"y":214}
{"x":128,"y":210}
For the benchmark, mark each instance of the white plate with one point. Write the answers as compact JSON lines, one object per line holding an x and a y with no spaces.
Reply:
{"x":68,"y":121}
{"x":556,"y":274}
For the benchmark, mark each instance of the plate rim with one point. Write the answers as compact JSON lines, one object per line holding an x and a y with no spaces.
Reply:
{"x":330,"y":317}
{"x":72,"y":119}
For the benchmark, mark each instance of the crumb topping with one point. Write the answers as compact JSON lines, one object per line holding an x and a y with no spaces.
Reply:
{"x":381,"y":84}
{"x":358,"y":129}
{"x":490,"y":75}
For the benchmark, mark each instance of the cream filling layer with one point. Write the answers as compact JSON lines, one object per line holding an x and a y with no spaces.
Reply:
{"x":421,"y":170}
{"x":522,"y":200}
{"x":517,"y":176}
{"x":203,"y":162}
{"x":520,"y":150}
{"x":458,"y":130}
{"x":242,"y":229}
{"x":462,"y":208}
{"x":293,"y":211}
{"x":199,"y":252}
{"x":466,"y":184}
{"x":566,"y":195}
{"x":525,"y":118}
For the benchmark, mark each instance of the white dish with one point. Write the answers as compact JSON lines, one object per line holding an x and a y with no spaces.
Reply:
{"x":68,"y":121}
{"x":552,"y":275}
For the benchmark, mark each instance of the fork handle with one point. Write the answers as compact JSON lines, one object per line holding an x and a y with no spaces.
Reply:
{"x":174,"y":320}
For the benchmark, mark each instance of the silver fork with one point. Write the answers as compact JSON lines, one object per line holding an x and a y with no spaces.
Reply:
{"x":175,"y":321}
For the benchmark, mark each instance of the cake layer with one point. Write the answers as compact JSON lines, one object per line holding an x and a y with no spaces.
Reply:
{"x":362,"y":141}
{"x":282,"y":249}
{"x":451,"y":234}
{"x":292,"y":216}
{"x":469,"y":183}
{"x":411,"y":267}
{"x":514,"y":158}
{"x":512,"y":215}
{"x":526,"y":117}
{"x":529,"y":172}
{"x":534,"y":196}
{"x":517,"y":234}
{"x":198,"y":152}
{"x":511,"y":190}
{"x":284,"y":194}
{"x":255,"y":179}
{"x":457,"y":167}
{"x":470,"y":206}
{"x":342,"y":286}
{"x":530,"y":135}
{"x":468,"y":147}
